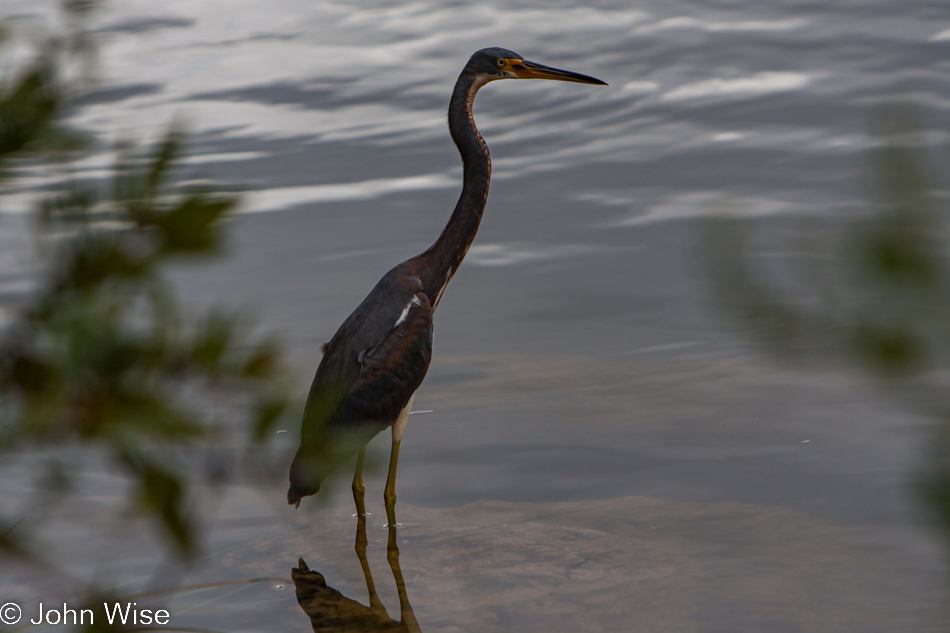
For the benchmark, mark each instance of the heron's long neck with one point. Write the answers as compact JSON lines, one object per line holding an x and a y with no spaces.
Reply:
{"x":443,"y":258}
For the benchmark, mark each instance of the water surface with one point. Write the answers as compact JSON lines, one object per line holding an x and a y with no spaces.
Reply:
{"x":604,"y":451}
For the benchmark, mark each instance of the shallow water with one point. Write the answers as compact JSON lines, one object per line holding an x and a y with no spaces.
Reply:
{"x":604,"y":452}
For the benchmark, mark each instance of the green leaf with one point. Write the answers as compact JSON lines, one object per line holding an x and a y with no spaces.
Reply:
{"x":266,"y":414}
{"x":151,"y":413}
{"x":166,"y":153}
{"x":262,"y":363}
{"x":95,"y":260}
{"x":26,"y":372}
{"x":27,"y":112}
{"x":12,"y":541}
{"x":889,"y":349}
{"x":213,"y":341}
{"x":162,"y":494}
{"x":190,"y":227}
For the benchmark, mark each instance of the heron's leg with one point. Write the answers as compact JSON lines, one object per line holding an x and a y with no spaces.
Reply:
{"x":359,"y":490}
{"x":374,"y":602}
{"x":406,"y":617}
{"x":389,"y":494}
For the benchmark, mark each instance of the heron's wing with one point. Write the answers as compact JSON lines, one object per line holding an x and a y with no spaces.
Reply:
{"x":354,"y":397}
{"x":391,"y":371}
{"x":341,"y":368}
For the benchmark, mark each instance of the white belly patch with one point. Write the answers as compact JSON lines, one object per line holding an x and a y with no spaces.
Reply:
{"x":400,"y":424}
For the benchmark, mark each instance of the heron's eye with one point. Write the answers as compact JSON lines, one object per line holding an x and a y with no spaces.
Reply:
{"x":502,"y":62}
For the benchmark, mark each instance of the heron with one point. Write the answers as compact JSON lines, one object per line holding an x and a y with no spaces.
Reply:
{"x":371,"y":368}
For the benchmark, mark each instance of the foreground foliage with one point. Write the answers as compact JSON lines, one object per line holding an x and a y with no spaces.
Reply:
{"x":98,"y":361}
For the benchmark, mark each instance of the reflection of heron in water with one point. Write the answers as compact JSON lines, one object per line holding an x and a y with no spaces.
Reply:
{"x":374,"y":363}
{"x":329,"y":610}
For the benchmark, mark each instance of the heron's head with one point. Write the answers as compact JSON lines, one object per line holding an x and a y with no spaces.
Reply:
{"x":490,"y":64}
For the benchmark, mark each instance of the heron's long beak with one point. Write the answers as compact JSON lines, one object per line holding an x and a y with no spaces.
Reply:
{"x":530,"y":70}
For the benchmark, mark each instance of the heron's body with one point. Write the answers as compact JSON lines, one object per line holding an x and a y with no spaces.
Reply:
{"x":374,"y":363}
